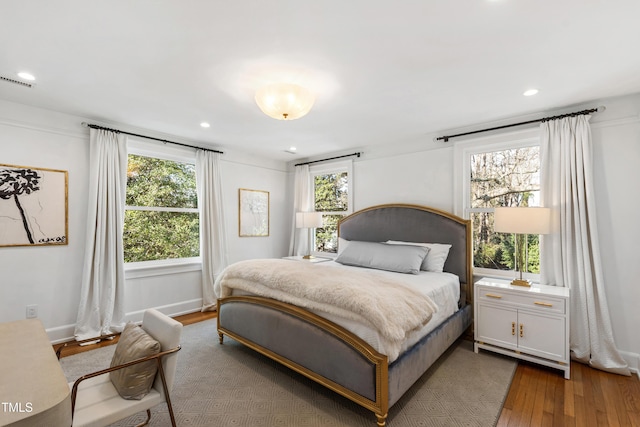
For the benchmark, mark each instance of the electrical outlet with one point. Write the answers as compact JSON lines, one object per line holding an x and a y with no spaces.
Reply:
{"x":32,"y":311}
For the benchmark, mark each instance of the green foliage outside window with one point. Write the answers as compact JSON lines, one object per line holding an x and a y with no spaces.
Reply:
{"x":160,"y":183}
{"x":331,"y":197}
{"x":503,"y":178}
{"x":161,"y":226}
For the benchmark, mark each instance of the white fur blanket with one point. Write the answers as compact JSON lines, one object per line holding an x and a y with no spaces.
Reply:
{"x":391,"y":307}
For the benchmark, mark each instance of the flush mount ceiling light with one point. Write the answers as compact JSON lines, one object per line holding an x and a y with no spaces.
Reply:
{"x":530,"y":92}
{"x":26,"y":76}
{"x":284,"y":101}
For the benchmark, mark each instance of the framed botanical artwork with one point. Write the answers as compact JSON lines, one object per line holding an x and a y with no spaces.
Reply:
{"x":253,"y":213}
{"x":33,"y":206}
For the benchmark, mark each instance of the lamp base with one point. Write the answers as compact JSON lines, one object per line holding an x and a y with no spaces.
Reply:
{"x":520,"y":282}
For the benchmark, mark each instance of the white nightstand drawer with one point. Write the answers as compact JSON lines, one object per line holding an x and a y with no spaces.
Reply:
{"x":522,"y":299}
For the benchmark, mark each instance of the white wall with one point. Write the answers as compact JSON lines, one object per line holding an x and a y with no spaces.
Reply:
{"x":425,"y":174}
{"x":49,"y":276}
{"x":616,"y":160}
{"x":420,"y":173}
{"x":422,"y":177}
{"x":265,"y":178}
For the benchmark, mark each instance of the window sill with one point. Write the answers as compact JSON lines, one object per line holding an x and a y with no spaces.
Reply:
{"x":504,"y":274}
{"x":135,"y":270}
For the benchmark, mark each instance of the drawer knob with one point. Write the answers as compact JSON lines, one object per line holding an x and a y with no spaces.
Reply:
{"x":544,"y":304}
{"x":513,"y":328}
{"x":493,"y":296}
{"x":521,"y":330}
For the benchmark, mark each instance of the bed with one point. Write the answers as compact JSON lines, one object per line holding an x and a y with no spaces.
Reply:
{"x":333,"y":355}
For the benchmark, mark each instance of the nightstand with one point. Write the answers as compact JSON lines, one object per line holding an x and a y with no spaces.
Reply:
{"x":528,"y":323}
{"x":311,"y":260}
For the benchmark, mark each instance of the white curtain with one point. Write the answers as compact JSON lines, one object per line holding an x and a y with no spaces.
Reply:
{"x":302,"y":202}
{"x":213,"y":240}
{"x":571,"y":254}
{"x":101,"y":309}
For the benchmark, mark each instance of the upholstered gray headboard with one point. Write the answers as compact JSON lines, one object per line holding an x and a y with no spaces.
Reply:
{"x":414,"y":223}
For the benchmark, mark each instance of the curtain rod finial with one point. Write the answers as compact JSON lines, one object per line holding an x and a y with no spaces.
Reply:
{"x":601,"y":108}
{"x":84,"y":124}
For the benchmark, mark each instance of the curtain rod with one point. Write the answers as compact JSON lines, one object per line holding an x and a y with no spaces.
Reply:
{"x":90,"y":125}
{"x":446,"y":138}
{"x":357,"y":154}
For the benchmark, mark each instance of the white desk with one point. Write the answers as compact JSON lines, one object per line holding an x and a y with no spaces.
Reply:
{"x":33,"y":388}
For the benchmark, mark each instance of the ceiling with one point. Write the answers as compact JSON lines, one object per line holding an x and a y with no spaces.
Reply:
{"x":385,"y":72}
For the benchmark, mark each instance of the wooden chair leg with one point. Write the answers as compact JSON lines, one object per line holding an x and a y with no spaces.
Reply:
{"x":148,"y":419}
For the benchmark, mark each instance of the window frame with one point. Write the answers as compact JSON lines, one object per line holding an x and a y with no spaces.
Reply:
{"x":462,"y":182}
{"x":171,"y":265}
{"x":324,"y":169}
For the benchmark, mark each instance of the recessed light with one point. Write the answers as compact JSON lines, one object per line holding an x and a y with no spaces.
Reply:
{"x":292,"y":148}
{"x":26,"y":76}
{"x":205,"y":125}
{"x":530,"y":92}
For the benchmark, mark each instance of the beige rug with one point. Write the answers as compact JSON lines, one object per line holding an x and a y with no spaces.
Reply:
{"x":230,"y":385}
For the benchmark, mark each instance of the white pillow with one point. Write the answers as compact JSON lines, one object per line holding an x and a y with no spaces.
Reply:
{"x":342,"y":244}
{"x":436,"y":257}
{"x":398,"y":258}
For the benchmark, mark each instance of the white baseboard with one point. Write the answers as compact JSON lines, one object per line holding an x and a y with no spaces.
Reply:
{"x":633,"y":360}
{"x":172,"y":310}
{"x":64,"y":333}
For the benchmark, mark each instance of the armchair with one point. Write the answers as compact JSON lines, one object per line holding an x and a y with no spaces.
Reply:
{"x":95,"y":401}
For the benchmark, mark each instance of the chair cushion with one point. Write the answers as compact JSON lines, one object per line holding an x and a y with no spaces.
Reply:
{"x":135,"y":381}
{"x":99,"y":404}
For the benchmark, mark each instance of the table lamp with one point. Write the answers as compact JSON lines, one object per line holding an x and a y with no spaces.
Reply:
{"x":521,"y":221}
{"x":309,"y":220}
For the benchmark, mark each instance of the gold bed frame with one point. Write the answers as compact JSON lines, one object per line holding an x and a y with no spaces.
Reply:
{"x":380,"y":406}
{"x":378,"y":360}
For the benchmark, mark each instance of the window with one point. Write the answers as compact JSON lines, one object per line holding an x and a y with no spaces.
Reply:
{"x":505,"y":175}
{"x":161,"y":213}
{"x":332,"y":197}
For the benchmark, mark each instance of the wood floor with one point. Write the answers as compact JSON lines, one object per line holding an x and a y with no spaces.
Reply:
{"x":540,"y":396}
{"x":187,"y":319}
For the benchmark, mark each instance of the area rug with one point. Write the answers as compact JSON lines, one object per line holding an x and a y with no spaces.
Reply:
{"x":230,"y":385}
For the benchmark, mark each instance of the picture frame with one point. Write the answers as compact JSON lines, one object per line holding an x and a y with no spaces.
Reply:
{"x":34,"y":207}
{"x":253,"y":213}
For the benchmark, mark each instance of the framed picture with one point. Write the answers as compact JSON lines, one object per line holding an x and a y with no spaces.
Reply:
{"x":33,"y":206}
{"x":253,"y":217}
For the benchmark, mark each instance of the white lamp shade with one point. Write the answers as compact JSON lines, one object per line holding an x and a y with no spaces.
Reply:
{"x":522,"y":220}
{"x":284,"y":101}
{"x":308,"y":220}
